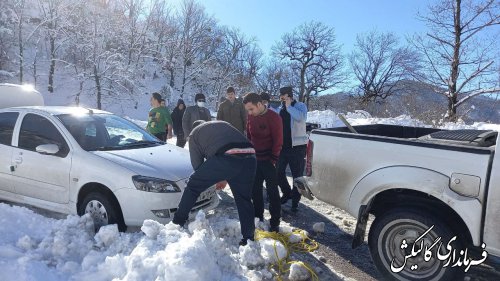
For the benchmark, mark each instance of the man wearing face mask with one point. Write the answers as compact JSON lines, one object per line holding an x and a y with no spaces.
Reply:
{"x":195,"y":113}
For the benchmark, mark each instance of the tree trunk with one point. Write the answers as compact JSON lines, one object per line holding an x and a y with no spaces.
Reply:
{"x":98,"y":87}
{"x":172,"y":82}
{"x":454,"y":71}
{"x":183,"y":80}
{"x":77,"y":98}
{"x":35,"y":59}
{"x":52,"y":64}
{"x":302,"y":83}
{"x":21,"y":51}
{"x":452,"y":108}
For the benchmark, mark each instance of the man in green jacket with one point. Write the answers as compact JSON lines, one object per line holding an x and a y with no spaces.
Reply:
{"x":233,"y":111}
{"x":159,"y":119}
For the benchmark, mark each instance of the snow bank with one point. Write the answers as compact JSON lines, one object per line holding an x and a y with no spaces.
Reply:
{"x":33,"y":247}
{"x":329,"y":119}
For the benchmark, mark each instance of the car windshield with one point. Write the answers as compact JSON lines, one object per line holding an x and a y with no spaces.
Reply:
{"x":106,"y":132}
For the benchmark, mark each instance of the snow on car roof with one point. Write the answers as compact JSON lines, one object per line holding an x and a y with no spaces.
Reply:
{"x":56,"y":110}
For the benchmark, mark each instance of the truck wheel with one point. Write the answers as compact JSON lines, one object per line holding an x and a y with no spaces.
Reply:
{"x":386,"y":237}
{"x":102,"y":210}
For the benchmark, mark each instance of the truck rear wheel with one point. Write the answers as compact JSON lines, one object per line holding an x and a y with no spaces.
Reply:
{"x":391,"y":239}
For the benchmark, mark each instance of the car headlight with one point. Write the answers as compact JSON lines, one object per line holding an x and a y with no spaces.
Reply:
{"x":150,"y":184}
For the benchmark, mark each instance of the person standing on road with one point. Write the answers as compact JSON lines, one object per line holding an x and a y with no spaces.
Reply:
{"x":159,"y":119}
{"x":294,"y":115}
{"x":177,"y":115}
{"x":264,"y":130}
{"x":194,"y":113}
{"x":233,"y":111}
{"x":220,"y":154}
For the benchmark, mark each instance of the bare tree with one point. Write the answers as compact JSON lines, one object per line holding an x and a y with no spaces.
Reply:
{"x":380,"y":63}
{"x":232,"y":55}
{"x":98,"y":51}
{"x":315,"y":57}
{"x":7,"y":23}
{"x":274,"y":75}
{"x":195,"y":27}
{"x":52,"y":12}
{"x":460,"y":50}
{"x":19,"y":10}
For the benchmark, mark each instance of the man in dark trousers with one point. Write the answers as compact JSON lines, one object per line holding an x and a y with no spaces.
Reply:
{"x":219,"y":153}
{"x":194,"y":113}
{"x":233,"y":111}
{"x":294,"y":115}
{"x":177,"y":115}
{"x":264,"y":130}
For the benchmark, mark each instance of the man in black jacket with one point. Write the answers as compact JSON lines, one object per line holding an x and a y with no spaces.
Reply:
{"x":177,"y":115}
{"x":194,"y":113}
{"x":220,"y":153}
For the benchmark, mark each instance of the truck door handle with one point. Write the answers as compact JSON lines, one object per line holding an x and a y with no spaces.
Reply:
{"x":18,"y":160}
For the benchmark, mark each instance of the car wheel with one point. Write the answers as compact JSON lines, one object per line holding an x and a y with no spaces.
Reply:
{"x":102,"y":210}
{"x":391,"y":239}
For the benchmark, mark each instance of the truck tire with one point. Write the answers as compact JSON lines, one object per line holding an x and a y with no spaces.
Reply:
{"x":392,"y":227}
{"x":103,"y":210}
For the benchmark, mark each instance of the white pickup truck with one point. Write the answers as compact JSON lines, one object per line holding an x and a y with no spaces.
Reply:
{"x":434,"y":193}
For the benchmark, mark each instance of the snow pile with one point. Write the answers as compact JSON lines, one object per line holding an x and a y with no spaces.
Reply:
{"x":319,"y":227}
{"x":34,"y":247}
{"x":298,"y":272}
{"x":272,"y":250}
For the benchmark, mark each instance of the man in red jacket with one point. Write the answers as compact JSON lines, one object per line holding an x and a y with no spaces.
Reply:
{"x":265,"y":132}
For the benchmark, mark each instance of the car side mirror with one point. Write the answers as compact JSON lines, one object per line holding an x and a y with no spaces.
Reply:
{"x":48,"y":149}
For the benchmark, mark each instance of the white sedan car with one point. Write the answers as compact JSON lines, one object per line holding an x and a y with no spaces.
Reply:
{"x":74,"y":160}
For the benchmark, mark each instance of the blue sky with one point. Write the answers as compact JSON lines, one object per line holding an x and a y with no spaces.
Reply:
{"x":268,"y":20}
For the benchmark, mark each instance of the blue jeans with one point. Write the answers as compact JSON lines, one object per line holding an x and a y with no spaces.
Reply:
{"x":239,"y":172}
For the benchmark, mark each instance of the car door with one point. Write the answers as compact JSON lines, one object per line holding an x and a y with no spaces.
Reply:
{"x":37,"y":175}
{"x":7,"y":124}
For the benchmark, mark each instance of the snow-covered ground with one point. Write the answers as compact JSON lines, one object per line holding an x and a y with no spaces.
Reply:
{"x":35,"y":247}
{"x":38,"y":247}
{"x":329,"y":119}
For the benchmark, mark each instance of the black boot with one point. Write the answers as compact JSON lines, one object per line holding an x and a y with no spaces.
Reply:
{"x":244,"y":241}
{"x":275,"y":228}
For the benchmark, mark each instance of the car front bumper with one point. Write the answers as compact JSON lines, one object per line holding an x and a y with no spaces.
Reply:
{"x":138,"y":206}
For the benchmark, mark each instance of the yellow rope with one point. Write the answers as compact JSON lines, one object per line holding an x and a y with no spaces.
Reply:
{"x":282,"y":266}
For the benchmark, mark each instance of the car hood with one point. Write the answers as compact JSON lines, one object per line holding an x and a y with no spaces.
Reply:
{"x":164,"y":161}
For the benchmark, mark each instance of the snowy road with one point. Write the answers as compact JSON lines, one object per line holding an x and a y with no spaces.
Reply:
{"x":49,"y":246}
{"x":335,"y":259}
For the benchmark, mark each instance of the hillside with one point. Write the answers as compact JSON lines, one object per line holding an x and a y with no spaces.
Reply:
{"x":416,"y":100}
